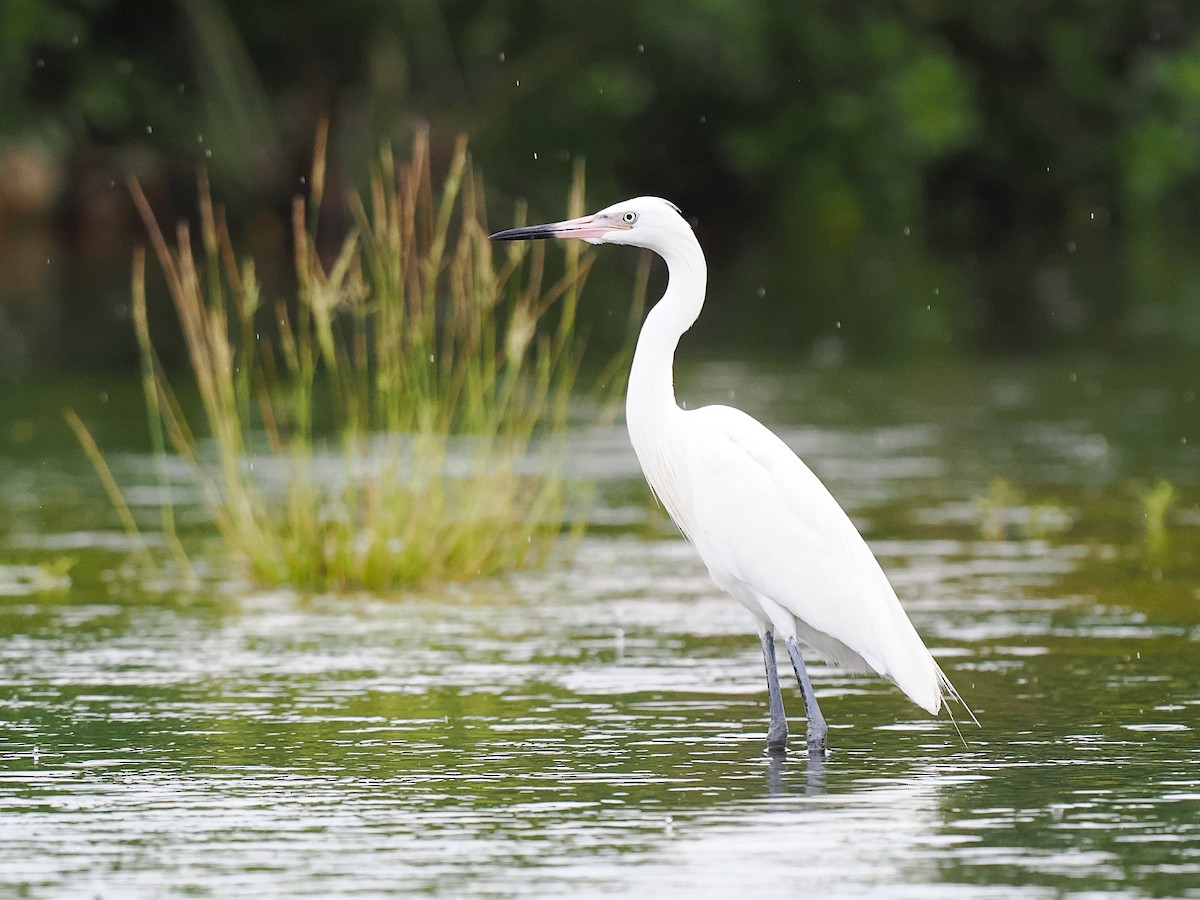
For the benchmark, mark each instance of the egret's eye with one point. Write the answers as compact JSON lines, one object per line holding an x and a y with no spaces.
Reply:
{"x":629,"y":218}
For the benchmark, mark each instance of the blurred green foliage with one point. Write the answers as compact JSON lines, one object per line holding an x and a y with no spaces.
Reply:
{"x":921,"y":176}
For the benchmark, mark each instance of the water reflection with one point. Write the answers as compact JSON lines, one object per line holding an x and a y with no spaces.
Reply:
{"x":598,"y":729}
{"x":459,"y":741}
{"x":782,"y":778}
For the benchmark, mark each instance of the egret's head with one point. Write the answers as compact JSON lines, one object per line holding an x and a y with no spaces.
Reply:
{"x":649,"y":222}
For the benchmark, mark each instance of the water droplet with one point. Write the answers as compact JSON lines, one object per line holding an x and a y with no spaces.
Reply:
{"x":501,"y":56}
{"x":535,"y":154}
{"x":518,"y":82}
{"x":431,"y":357}
{"x":40,"y":63}
{"x":907,"y":231}
{"x":703,"y":119}
{"x":762,"y":292}
{"x":839,"y":323}
{"x":207,"y":153}
{"x":1070,"y":246}
{"x":149,"y":129}
{"x":641,"y":48}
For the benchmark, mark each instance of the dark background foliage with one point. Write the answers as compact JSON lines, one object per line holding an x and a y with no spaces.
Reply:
{"x":869,"y":179}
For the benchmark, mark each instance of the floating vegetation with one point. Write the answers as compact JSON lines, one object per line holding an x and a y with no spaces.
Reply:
{"x":1156,"y":503}
{"x":49,"y":577}
{"x":403,"y":420}
{"x":1004,"y":514}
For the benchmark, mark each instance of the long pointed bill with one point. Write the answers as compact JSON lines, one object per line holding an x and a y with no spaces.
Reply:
{"x":585,"y":227}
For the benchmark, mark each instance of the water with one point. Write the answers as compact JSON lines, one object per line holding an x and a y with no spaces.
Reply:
{"x":597,"y":729}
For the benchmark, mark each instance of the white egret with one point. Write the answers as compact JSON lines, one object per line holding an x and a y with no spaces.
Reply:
{"x":770,"y":533}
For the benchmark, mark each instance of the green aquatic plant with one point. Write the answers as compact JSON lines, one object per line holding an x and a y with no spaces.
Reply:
{"x":52,"y":576}
{"x":1156,"y":503}
{"x":404,"y":419}
{"x":1005,"y":514}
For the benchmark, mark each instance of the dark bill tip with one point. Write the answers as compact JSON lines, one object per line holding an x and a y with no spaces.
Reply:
{"x":530,"y":233}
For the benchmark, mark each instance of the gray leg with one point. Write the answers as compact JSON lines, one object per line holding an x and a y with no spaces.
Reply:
{"x":817,"y":731}
{"x":778,"y":732}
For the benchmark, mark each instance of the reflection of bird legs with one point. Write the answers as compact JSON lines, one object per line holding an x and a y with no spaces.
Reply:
{"x":779,"y":773}
{"x":777,"y":733}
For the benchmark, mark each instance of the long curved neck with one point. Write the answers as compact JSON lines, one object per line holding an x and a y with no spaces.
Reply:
{"x":651,"y":396}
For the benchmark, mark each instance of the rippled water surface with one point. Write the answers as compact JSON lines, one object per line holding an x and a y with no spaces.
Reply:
{"x":597,"y":729}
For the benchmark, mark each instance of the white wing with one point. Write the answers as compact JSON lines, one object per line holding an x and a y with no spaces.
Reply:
{"x":766,"y":526}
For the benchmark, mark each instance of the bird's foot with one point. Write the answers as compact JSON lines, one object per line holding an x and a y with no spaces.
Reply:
{"x":816,"y":740}
{"x":777,"y":736}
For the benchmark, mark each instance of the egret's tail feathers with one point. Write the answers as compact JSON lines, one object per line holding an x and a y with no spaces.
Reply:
{"x":953,"y":694}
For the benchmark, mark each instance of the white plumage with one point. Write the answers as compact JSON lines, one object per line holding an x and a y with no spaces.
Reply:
{"x":769,"y":532}
{"x":775,"y":539}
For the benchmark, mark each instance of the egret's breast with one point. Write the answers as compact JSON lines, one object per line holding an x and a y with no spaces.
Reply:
{"x":662,"y":451}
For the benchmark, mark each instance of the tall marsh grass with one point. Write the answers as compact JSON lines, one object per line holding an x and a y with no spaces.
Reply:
{"x":403,"y":418}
